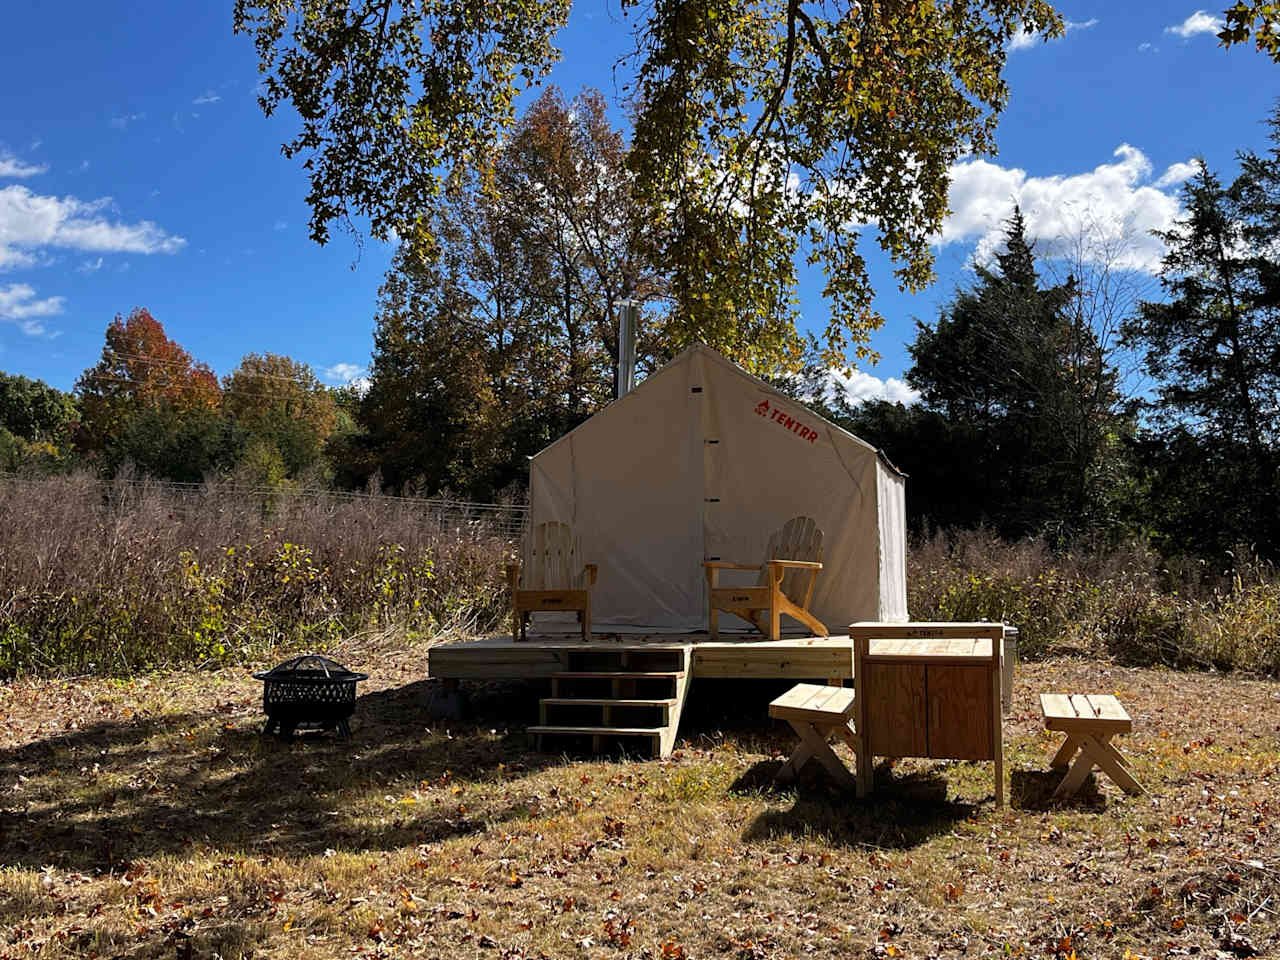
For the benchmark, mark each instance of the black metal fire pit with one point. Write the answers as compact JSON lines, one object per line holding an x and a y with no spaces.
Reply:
{"x":309,"y":692}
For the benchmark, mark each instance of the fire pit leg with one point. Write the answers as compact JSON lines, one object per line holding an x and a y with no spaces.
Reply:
{"x":344,"y":730}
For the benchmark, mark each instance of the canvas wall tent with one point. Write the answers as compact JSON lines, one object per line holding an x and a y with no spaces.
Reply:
{"x":704,"y":461}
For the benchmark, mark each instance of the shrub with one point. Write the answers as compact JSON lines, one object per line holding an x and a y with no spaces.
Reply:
{"x":1122,"y":603}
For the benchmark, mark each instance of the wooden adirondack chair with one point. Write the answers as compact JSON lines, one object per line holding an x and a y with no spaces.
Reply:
{"x":553,"y":578}
{"x":785,"y":584}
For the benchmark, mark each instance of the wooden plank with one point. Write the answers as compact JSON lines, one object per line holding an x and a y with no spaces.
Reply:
{"x":618,"y":674}
{"x":551,"y":599}
{"x":797,"y":695}
{"x":836,"y":706}
{"x":918,"y":630}
{"x":1081,"y":704}
{"x":538,"y":561}
{"x":1062,"y":712}
{"x":667,"y":741}
{"x":819,"y":700}
{"x":797,"y":658}
{"x":1056,"y":706}
{"x":816,"y":748}
{"x":1107,"y":707}
{"x":839,"y":705}
{"x":997,"y":723}
{"x":612,"y":731}
{"x":1062,"y":759}
{"x":931,"y":659}
{"x":959,"y":713}
{"x":861,"y":742}
{"x":894,"y":709}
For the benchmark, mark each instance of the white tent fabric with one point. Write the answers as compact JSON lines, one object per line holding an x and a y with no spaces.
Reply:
{"x":702,"y":461}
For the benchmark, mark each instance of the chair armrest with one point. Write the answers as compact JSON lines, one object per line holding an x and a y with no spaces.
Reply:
{"x":796,"y":564}
{"x":724,"y":565}
{"x":590,"y":571}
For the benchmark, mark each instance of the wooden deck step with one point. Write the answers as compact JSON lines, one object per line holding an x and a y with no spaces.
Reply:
{"x":604,"y":731}
{"x":605,"y":702}
{"x":622,"y":675}
{"x":618,"y":675}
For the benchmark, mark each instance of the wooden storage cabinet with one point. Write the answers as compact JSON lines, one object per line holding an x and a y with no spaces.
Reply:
{"x":928,"y":690}
{"x":898,"y":691}
{"x":959,"y":713}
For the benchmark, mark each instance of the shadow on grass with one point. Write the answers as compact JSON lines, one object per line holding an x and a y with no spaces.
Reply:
{"x":1033,"y":790}
{"x":903,"y":811}
{"x":108,"y":793}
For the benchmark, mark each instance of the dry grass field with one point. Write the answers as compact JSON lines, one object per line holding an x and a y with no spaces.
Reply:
{"x":148,"y":819}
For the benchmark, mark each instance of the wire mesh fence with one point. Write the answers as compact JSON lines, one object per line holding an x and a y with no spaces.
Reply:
{"x":458,"y":517}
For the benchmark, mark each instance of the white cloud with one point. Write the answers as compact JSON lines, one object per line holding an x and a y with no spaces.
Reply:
{"x":207,"y":97}
{"x":1145,"y":47}
{"x":11,"y":166}
{"x":1177,"y":173}
{"x":280,"y":225}
{"x":860,"y":386}
{"x":11,"y":259}
{"x":19,"y":305}
{"x":1029,"y":38}
{"x":345,"y":374}
{"x":90,"y":266}
{"x":1024,"y":40}
{"x":122,"y":122}
{"x":30,"y":222}
{"x":1199,"y":22}
{"x":1114,"y":196}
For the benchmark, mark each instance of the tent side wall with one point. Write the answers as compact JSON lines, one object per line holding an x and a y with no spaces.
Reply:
{"x":891,"y":512}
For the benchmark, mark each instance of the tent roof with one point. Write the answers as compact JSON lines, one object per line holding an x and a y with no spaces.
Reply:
{"x":704,"y":350}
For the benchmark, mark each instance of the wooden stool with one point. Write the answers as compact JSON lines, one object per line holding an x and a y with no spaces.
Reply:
{"x":815,"y":713}
{"x":1089,"y":723}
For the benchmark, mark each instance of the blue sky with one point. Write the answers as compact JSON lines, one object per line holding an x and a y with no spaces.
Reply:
{"x":137,"y":170}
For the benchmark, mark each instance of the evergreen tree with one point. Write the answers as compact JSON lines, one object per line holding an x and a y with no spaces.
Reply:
{"x":1214,"y":351}
{"x":1023,"y":379}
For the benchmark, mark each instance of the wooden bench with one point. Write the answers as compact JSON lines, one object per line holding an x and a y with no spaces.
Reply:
{"x":815,"y":713}
{"x":1089,"y":721}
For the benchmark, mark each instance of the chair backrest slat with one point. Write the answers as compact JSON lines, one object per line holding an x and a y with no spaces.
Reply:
{"x":552,"y":558}
{"x":799,"y":539}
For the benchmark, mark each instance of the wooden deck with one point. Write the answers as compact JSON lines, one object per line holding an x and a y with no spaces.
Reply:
{"x":748,"y":657}
{"x":634,"y":686}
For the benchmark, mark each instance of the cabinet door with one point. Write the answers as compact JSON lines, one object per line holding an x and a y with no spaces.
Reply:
{"x":960,"y":713}
{"x":895,"y":709}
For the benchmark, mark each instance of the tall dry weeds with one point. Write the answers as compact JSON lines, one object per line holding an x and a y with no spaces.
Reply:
{"x":1122,"y":604}
{"x":116,"y":579}
{"x":136,"y":575}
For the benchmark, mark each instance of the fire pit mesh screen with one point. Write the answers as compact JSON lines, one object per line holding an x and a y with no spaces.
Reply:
{"x":309,"y":690}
